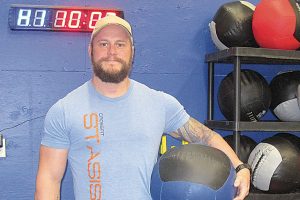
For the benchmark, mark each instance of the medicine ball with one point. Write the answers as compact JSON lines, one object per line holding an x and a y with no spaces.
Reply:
{"x":232,"y":25}
{"x":247,"y":144}
{"x":284,"y":96}
{"x":255,"y":96}
{"x":275,"y":164}
{"x":193,"y":172}
{"x":276,"y":24}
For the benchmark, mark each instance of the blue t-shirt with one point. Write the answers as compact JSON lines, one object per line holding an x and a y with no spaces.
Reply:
{"x":112,"y":143}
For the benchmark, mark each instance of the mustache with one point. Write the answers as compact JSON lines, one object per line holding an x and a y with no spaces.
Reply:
{"x":111,"y":59}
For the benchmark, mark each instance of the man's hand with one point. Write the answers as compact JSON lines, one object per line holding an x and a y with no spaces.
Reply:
{"x":242,"y":183}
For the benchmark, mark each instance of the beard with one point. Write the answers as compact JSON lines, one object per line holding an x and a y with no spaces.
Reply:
{"x":110,"y":76}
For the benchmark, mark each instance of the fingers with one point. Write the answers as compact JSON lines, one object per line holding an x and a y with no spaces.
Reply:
{"x":242,"y":185}
{"x":237,"y":182}
{"x":242,"y":192}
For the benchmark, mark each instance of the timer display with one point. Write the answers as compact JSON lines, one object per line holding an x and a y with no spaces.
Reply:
{"x":57,"y":18}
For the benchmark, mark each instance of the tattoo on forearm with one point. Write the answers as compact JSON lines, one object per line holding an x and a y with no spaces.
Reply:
{"x":194,"y":131}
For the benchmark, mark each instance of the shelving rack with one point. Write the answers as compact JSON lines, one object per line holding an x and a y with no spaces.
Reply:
{"x":238,"y":56}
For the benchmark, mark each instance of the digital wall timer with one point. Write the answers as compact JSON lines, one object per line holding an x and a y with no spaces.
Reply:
{"x":57,"y":18}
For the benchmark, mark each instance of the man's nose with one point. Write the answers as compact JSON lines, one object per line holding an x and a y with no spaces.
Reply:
{"x":112,"y":50}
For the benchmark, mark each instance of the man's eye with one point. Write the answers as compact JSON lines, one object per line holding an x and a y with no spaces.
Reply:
{"x":120,"y":45}
{"x":103,"y":44}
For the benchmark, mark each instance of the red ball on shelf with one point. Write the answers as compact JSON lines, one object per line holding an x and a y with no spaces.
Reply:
{"x":275,"y":24}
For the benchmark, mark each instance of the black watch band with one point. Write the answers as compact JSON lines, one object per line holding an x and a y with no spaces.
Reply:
{"x":242,"y":166}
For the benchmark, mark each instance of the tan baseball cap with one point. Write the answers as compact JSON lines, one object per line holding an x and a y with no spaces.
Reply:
{"x":111,"y":19}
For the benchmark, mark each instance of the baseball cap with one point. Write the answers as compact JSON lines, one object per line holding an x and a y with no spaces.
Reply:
{"x":111,"y":19}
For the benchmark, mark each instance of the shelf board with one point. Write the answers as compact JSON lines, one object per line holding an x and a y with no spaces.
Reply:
{"x":250,"y":55}
{"x":277,"y":126}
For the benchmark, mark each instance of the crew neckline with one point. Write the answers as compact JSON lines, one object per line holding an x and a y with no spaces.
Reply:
{"x":101,"y":96}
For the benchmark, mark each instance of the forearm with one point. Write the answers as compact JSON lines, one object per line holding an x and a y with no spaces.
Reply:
{"x":47,"y":189}
{"x":195,"y":132}
{"x":218,"y":142}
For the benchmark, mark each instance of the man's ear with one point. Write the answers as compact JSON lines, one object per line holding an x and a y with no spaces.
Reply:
{"x":132,"y":50}
{"x":90,"y":50}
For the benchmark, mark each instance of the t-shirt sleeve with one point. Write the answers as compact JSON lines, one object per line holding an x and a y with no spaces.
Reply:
{"x":176,"y":116}
{"x":55,"y":133}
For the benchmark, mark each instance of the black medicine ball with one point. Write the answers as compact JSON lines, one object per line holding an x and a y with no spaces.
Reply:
{"x":255,"y":96}
{"x":232,"y":25}
{"x":284,"y":96}
{"x":275,"y":164}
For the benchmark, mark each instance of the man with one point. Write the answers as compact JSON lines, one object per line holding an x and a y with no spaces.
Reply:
{"x":109,"y":129}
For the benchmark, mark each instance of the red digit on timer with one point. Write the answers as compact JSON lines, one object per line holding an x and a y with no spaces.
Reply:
{"x":95,"y":16}
{"x":60,"y":18}
{"x":74,"y":21}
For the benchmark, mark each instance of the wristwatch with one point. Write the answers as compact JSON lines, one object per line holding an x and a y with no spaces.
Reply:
{"x":242,"y":166}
